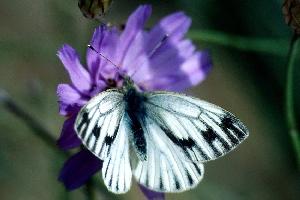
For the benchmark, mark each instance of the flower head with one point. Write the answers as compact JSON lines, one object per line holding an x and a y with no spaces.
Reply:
{"x":94,"y":9}
{"x":291,"y":12}
{"x":174,"y":66}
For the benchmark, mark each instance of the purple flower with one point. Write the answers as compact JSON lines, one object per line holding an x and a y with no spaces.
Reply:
{"x":174,"y":66}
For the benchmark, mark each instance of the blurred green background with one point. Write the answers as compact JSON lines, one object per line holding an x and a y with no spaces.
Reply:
{"x":247,"y":83}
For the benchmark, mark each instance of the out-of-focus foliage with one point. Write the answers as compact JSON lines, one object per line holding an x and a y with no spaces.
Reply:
{"x":248,"y":84}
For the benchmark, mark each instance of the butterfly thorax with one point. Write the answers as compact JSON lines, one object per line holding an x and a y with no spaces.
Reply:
{"x":135,"y":112}
{"x":133,"y":96}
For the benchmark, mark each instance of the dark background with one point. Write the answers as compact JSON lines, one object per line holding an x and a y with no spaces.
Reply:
{"x":248,"y":84}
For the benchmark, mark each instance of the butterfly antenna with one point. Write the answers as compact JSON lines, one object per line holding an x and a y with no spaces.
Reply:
{"x":103,"y":56}
{"x":152,"y":52}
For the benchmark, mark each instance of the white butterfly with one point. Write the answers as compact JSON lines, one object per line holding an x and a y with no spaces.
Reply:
{"x":160,"y":137}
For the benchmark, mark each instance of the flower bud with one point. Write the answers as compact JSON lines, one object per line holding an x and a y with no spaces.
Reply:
{"x":291,"y":12}
{"x":94,"y":9}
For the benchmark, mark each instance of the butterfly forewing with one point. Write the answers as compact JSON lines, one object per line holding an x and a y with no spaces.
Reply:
{"x":201,"y":130}
{"x":98,"y":122}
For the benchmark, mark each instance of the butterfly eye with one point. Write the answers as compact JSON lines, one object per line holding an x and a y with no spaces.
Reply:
{"x":94,"y":9}
{"x":111,"y":83}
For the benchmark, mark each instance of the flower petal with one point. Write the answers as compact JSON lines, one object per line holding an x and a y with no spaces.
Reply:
{"x":68,"y":110}
{"x":175,"y":25}
{"x":79,"y":76}
{"x":197,"y":68}
{"x":137,"y":56}
{"x":68,"y":138}
{"x":134,"y":25}
{"x":79,"y":168}
{"x":190,"y":73}
{"x":105,"y":42}
{"x":166,"y":61}
{"x":174,"y":65}
{"x":70,"y":96}
{"x":152,"y":195}
{"x":70,"y":99}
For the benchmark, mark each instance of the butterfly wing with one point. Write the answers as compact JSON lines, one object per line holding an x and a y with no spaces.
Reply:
{"x":203,"y":131}
{"x":101,"y":126}
{"x":182,"y":132}
{"x":116,"y":170}
{"x":166,"y":169}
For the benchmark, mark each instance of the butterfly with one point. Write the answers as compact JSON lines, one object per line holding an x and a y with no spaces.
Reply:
{"x":161,"y":138}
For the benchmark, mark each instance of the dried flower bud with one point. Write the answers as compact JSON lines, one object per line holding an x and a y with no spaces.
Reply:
{"x":291,"y":12}
{"x":94,"y":9}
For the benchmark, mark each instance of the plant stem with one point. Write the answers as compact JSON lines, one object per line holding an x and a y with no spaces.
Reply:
{"x":290,"y":112}
{"x":89,"y":190}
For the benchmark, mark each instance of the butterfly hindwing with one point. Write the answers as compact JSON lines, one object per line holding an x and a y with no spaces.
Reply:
{"x":166,"y":169}
{"x":116,"y":170}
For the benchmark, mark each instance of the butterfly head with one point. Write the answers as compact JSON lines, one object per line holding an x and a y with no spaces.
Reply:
{"x":128,"y":82}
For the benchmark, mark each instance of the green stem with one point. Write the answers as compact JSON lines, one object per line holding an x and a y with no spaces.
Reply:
{"x":290,"y":112}
{"x":89,"y":189}
{"x":274,"y":46}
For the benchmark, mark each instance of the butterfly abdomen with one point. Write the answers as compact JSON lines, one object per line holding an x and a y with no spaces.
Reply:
{"x":135,"y":112}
